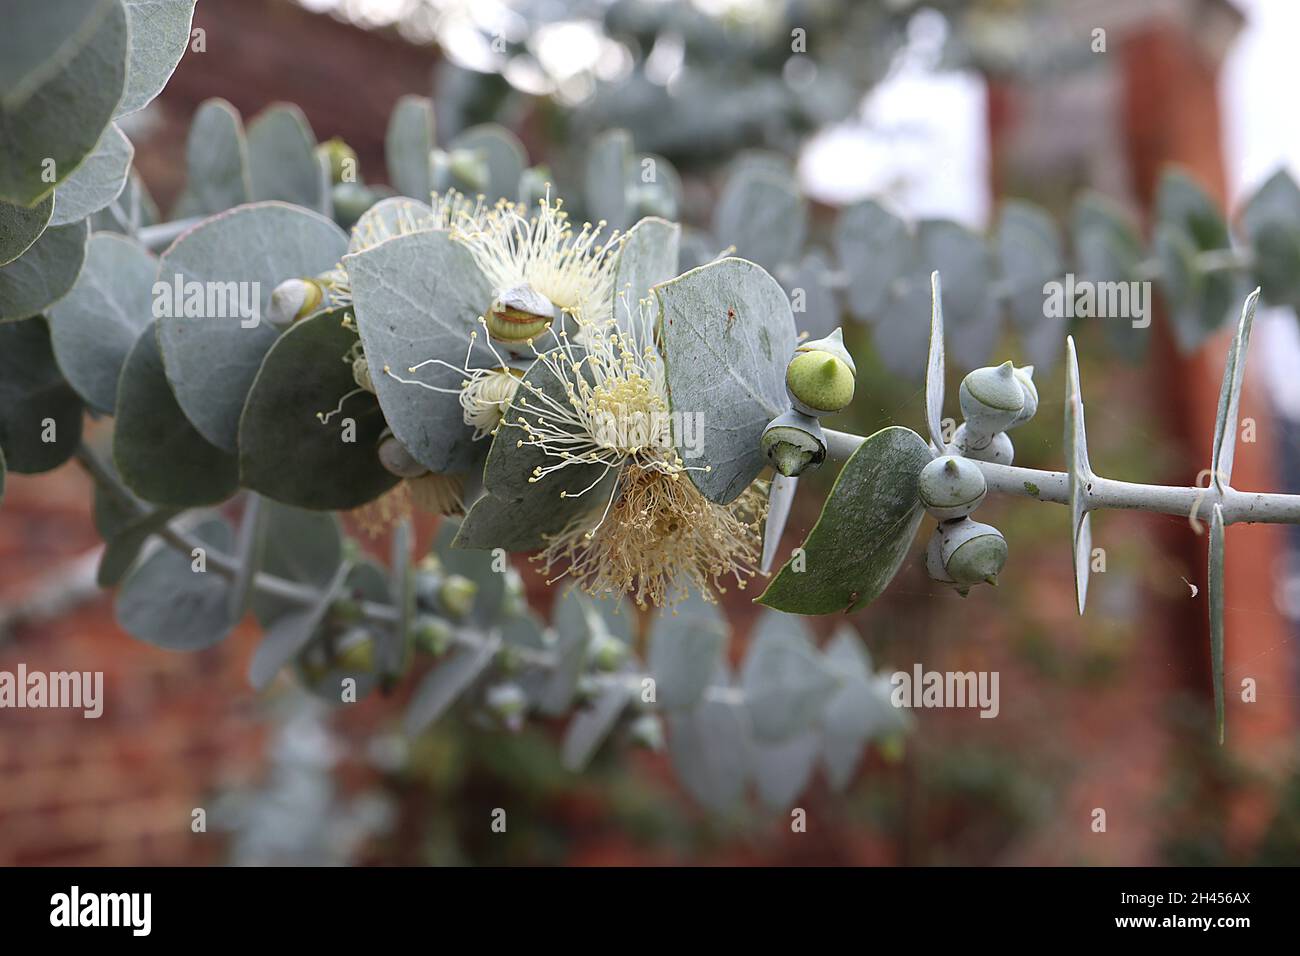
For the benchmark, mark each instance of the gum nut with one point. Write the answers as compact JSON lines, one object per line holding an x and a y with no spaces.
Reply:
{"x":992,"y":398}
{"x":934,"y":558}
{"x":997,"y":450}
{"x":819,"y":383}
{"x":951,"y":487}
{"x":1025,"y":376}
{"x":833,"y":343}
{"x":397,"y":460}
{"x":972,"y":551}
{"x":293,"y":299}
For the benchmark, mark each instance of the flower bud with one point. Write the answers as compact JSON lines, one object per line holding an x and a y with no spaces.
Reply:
{"x":996,"y":448}
{"x":460,"y":169}
{"x":648,"y":731}
{"x":356,"y":651}
{"x":794,"y":442}
{"x":519,"y":314}
{"x":820,"y":378}
{"x":934,"y":558}
{"x":456,"y":596}
{"x":508,"y":702}
{"x":432,"y":635}
{"x":951,"y":487}
{"x":607,"y":653}
{"x":395,"y":458}
{"x":341,"y":157}
{"x":991,"y":398}
{"x":972,"y":552}
{"x":1025,"y":376}
{"x":294,"y":299}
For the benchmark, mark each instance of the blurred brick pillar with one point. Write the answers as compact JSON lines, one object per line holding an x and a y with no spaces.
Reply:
{"x":1171,"y":115}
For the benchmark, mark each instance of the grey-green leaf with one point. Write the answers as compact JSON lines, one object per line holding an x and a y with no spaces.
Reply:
{"x":302,"y":546}
{"x":1216,"y":613}
{"x":44,"y":273}
{"x":216,"y":161}
{"x":164,"y":601}
{"x":282,"y":159}
{"x":763,"y":215}
{"x":786,"y":683}
{"x":874,"y":248}
{"x":686,"y":648}
{"x":40,"y":416}
{"x":864,"y":531}
{"x":98,"y":180}
{"x":501,"y":151}
{"x":160,"y":34}
{"x":446,"y":682}
{"x":96,"y":324}
{"x":291,"y":632}
{"x":159,"y":454}
{"x":285,"y":451}
{"x":407,"y":145}
{"x":1080,"y":475}
{"x":53,"y":117}
{"x":711,"y":749}
{"x":934,"y":370}
{"x":592,"y":725}
{"x":418,"y":297}
{"x":20,"y":226}
{"x":242,"y":254}
{"x":1225,"y":422}
{"x":728,"y":335}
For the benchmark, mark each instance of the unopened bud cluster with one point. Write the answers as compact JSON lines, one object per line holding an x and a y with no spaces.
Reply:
{"x":819,"y":381}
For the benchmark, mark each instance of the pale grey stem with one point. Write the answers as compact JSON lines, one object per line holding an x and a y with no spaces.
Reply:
{"x":1239,"y":507}
{"x":163,"y":234}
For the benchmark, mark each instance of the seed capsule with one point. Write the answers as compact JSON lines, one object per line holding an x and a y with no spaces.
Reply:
{"x":972,"y":552}
{"x":997,"y":448}
{"x":793,"y":443}
{"x":519,"y":314}
{"x":821,"y":377}
{"x":992,"y":398}
{"x":951,"y":487}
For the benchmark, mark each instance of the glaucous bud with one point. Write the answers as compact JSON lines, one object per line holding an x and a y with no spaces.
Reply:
{"x":1025,"y":376}
{"x":431,"y":634}
{"x":356,"y":651}
{"x":972,"y":552}
{"x":397,"y":460}
{"x":996,"y":448}
{"x":951,"y":487}
{"x":793,"y":443}
{"x":461,"y":169}
{"x":991,"y":398}
{"x":519,"y":314}
{"x":648,"y":731}
{"x":607,"y":653}
{"x":456,"y":596}
{"x":934,"y":558}
{"x":294,"y":299}
{"x":508,"y":702}
{"x":342,"y":160}
{"x":821,"y":377}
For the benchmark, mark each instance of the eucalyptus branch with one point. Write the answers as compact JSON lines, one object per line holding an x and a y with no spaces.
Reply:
{"x":1239,"y":507}
{"x":162,"y":234}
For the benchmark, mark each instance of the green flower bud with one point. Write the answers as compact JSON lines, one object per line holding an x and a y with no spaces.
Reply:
{"x":395,"y":458}
{"x":972,"y":552}
{"x":648,"y":731}
{"x":519,"y":314}
{"x":820,"y":378}
{"x":793,"y":443}
{"x":997,"y":448}
{"x":432,"y":635}
{"x":461,"y":169}
{"x":951,"y":487}
{"x":294,"y":299}
{"x":506,"y":700}
{"x":1025,"y":376}
{"x":356,"y":651}
{"x":345,"y":610}
{"x":456,"y":596}
{"x":508,"y":660}
{"x":991,"y":398}
{"x":341,"y":157}
{"x":607,"y":653}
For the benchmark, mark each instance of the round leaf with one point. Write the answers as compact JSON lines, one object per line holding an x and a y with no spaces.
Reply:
{"x":44,"y":273}
{"x":40,"y":416}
